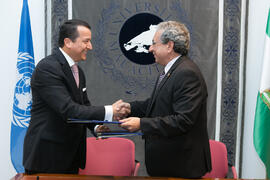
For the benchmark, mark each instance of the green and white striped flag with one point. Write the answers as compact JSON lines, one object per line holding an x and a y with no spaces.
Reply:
{"x":261,"y":134}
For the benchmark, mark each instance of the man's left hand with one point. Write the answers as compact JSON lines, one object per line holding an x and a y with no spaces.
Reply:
{"x":131,"y":124}
{"x":102,"y":128}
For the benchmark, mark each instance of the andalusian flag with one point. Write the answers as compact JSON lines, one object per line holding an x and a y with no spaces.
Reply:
{"x":261,"y":134}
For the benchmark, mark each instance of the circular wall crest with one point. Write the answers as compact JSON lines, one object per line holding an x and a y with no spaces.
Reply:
{"x":123,"y":36}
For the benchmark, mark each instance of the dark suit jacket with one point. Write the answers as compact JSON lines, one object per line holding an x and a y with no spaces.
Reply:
{"x":52,"y":145}
{"x":174,"y":123}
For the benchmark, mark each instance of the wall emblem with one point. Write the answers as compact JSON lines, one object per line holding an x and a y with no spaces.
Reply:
{"x":123,"y":36}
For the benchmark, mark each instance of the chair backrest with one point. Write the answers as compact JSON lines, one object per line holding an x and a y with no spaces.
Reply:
{"x":219,"y":160}
{"x":112,"y":156}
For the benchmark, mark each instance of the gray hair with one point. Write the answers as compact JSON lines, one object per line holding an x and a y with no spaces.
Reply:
{"x":176,"y":32}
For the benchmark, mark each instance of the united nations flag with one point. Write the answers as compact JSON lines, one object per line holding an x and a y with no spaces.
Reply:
{"x":22,"y":95}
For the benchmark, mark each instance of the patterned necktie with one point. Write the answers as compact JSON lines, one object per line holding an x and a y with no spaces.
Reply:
{"x":75,"y":72}
{"x":161,"y":76}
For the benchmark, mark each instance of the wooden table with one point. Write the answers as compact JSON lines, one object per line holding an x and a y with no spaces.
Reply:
{"x":86,"y":177}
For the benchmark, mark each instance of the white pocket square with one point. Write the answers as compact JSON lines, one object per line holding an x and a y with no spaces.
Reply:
{"x":84,"y":89}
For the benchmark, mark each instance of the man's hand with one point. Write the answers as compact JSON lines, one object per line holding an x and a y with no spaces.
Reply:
{"x":131,"y":124}
{"x":121,"y":110}
{"x":102,"y":128}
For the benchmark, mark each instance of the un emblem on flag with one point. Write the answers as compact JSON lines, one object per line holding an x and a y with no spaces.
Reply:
{"x":22,"y":95}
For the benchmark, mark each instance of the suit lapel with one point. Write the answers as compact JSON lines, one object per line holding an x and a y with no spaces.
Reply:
{"x":162,"y":83}
{"x":69,"y":76}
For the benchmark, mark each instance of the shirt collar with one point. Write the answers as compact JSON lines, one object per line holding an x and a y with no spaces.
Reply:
{"x":170,"y":64}
{"x":68,"y":58}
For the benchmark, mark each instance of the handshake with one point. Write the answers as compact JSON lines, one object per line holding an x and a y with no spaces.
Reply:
{"x":121,"y":110}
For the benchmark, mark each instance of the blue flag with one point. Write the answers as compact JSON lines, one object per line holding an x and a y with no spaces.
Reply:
{"x":22,"y":95}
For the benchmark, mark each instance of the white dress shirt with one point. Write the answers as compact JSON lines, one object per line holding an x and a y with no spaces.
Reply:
{"x":170,"y":64}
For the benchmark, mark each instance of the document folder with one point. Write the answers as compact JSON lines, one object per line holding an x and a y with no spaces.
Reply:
{"x":114,"y":133}
{"x":122,"y":133}
{"x":73,"y":120}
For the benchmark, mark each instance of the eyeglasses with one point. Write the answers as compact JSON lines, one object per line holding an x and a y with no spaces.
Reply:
{"x":154,"y":43}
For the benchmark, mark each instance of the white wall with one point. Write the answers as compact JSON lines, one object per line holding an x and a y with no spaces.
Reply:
{"x":10,"y":13}
{"x":252,"y":167}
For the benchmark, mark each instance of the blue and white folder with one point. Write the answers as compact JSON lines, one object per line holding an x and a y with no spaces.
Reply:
{"x":119,"y":133}
{"x":113,"y":133}
{"x":73,"y":120}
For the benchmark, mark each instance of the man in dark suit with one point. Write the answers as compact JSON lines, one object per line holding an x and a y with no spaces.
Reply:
{"x":51,"y":144}
{"x":174,"y":119}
